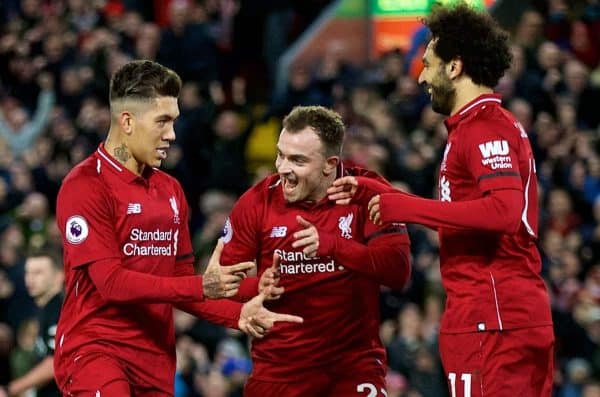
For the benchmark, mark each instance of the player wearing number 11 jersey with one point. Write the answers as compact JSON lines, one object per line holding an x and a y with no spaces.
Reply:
{"x":496,"y":336}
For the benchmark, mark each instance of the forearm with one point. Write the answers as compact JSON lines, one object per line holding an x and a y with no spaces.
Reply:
{"x":116,"y":284}
{"x":39,"y":375}
{"x":248,"y":289}
{"x":386,"y":263}
{"x":223,"y":312}
{"x":499,"y":211}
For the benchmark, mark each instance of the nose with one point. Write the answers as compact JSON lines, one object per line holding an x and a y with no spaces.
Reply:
{"x":283,"y":166}
{"x":169,"y":135}
{"x":421,"y":79}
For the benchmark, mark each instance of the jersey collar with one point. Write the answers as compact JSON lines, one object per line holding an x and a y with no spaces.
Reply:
{"x":476,"y":104}
{"x":113,"y":165}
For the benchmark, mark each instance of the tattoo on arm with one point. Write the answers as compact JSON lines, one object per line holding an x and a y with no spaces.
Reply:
{"x":122,"y":153}
{"x":212,"y":285}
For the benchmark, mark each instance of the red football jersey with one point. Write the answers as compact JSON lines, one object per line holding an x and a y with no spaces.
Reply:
{"x":492,"y":280}
{"x":106,"y":212}
{"x":340,"y":306}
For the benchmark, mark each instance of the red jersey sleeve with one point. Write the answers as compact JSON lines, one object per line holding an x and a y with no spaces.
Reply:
{"x":241,"y":234}
{"x":491,"y":154}
{"x":384,"y":256}
{"x":84,"y":215}
{"x":223,"y":312}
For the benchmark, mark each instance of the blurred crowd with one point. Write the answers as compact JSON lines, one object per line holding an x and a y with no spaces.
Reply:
{"x":56,"y":58}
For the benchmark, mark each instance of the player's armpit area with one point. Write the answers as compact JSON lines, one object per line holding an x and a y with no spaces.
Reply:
{"x":498,"y":211}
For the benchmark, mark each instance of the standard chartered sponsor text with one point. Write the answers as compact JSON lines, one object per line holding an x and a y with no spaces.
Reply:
{"x":132,"y":248}
{"x":302,"y":264}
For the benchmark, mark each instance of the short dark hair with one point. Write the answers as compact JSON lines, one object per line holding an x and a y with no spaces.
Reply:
{"x":144,"y":80}
{"x":328,"y":125}
{"x":53,"y":254}
{"x":472,"y":36}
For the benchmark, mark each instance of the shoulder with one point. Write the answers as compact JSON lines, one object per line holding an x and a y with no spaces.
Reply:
{"x":83,"y":192}
{"x":354,"y":170}
{"x":493,"y":121}
{"x":84,"y":177}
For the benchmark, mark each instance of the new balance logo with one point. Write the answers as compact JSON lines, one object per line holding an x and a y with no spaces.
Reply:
{"x":278,"y":231}
{"x":494,"y":148}
{"x":134,"y":208}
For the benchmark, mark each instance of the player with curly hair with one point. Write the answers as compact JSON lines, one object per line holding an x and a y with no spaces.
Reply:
{"x":496,"y":336}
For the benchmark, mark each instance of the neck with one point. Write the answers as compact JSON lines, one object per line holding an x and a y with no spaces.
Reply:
{"x":466,"y":91}
{"x":118,"y":148}
{"x":42,"y":300}
{"x":327,"y":181}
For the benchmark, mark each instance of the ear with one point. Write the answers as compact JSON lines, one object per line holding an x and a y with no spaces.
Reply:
{"x":331,"y":165}
{"x":126,"y":122}
{"x":455,"y":68}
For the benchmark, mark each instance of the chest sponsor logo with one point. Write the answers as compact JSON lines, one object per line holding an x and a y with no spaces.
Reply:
{"x":345,"y":225}
{"x":134,"y":208}
{"x":227,"y":232}
{"x":278,"y":231}
{"x":296,"y":262}
{"x":76,"y":229}
{"x":495,"y":154}
{"x":175,"y":209}
{"x":151,"y":243}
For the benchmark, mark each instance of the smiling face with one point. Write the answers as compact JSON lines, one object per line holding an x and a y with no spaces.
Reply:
{"x":305,"y":170}
{"x":437,"y":82}
{"x":152,"y":131}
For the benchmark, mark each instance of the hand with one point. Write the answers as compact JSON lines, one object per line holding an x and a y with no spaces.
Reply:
{"x":255,"y":320}
{"x":374,"y":214}
{"x":45,"y":81}
{"x":267,"y":284}
{"x":3,"y":391}
{"x":307,"y":238}
{"x":343,"y":189}
{"x":223,"y":281}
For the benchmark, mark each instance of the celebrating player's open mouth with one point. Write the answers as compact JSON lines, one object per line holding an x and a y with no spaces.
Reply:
{"x":162,"y":152}
{"x":289,"y":184}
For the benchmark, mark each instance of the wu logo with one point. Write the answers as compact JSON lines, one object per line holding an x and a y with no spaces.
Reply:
{"x":134,"y":208}
{"x":494,"y":148}
{"x":345,"y":225}
{"x":175,"y":209}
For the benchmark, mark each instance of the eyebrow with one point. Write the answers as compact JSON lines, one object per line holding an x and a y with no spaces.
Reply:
{"x":294,"y":157}
{"x":165,"y":117}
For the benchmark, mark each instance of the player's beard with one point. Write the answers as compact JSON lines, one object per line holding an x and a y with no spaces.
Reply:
{"x":443,"y":94}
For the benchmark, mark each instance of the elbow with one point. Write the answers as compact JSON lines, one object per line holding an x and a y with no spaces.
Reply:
{"x":402,"y":275}
{"x":508,"y":209}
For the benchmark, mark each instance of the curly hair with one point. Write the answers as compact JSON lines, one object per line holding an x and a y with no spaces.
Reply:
{"x":327,"y":124}
{"x":473,"y":37}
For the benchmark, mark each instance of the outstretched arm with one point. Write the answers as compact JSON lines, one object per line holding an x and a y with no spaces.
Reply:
{"x":498,"y":211}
